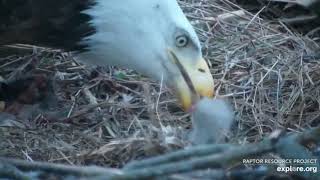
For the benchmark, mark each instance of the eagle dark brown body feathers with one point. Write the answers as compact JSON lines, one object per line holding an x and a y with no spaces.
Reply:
{"x":53,"y":23}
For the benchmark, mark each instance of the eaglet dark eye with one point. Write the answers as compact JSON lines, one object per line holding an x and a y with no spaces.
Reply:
{"x":182,"y":41}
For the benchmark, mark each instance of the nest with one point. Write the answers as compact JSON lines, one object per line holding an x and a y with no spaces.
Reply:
{"x":109,"y":116}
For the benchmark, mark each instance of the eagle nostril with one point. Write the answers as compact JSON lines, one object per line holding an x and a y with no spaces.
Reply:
{"x":201,"y":70}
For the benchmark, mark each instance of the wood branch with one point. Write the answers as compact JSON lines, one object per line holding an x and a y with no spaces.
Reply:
{"x":12,"y":172}
{"x":188,"y":160}
{"x":298,"y":20}
{"x":60,"y":168}
{"x":214,"y":160}
{"x":196,"y":151}
{"x":217,"y":156}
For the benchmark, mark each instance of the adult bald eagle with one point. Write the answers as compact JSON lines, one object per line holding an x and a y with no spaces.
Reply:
{"x":139,"y":34}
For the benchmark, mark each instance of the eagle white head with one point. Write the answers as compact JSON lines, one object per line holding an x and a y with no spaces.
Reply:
{"x":143,"y":35}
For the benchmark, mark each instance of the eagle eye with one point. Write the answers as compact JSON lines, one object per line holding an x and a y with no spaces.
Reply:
{"x":182,"y":41}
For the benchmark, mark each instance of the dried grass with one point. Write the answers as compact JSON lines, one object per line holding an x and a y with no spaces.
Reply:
{"x":269,"y":73}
